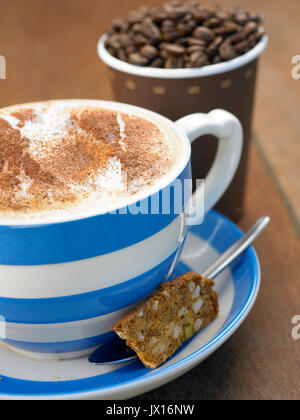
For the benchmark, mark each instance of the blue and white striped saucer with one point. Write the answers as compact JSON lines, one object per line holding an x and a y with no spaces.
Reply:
{"x":238,"y":287}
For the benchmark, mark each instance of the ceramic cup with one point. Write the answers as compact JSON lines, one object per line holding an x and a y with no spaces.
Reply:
{"x":178,"y":92}
{"x":65,"y":282}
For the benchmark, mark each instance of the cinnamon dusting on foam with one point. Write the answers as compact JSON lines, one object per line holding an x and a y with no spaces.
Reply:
{"x":24,"y":115}
{"x":56,"y":156}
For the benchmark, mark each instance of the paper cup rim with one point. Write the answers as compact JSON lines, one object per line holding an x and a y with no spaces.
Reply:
{"x":206,"y":71}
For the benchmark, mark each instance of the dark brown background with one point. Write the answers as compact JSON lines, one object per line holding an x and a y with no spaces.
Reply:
{"x":50,"y":48}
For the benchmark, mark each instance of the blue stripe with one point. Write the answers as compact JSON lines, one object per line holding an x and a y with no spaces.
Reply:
{"x":86,"y":305}
{"x":63,"y":347}
{"x":84,"y":238}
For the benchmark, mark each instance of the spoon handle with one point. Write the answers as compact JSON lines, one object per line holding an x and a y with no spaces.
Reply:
{"x":236,"y":249}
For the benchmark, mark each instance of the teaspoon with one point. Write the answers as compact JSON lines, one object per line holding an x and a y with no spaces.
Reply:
{"x":117,"y":351}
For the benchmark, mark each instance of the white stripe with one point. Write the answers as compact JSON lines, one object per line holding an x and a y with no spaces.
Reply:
{"x":47,"y":357}
{"x":65,"y":279}
{"x":68,"y":331}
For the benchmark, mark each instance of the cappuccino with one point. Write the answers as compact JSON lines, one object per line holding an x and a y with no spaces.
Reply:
{"x":63,"y":158}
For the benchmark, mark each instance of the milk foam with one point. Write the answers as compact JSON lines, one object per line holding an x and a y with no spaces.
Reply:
{"x":107,"y":189}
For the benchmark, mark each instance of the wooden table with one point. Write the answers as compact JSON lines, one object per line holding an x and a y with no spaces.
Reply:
{"x":50,"y":48}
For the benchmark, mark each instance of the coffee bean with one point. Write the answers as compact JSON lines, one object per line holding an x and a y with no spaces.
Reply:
{"x":138,"y":59}
{"x":242,"y":47}
{"x":203,"y":61}
{"x":164,"y":54}
{"x":188,"y":17}
{"x":253,"y":39}
{"x":212,"y":22}
{"x":194,"y":48}
{"x":167,"y":26}
{"x":175,"y":12}
{"x":158,"y":63}
{"x":216,"y":43}
{"x":191,"y":24}
{"x":256,"y":17}
{"x":182,"y":41}
{"x":117,"y":24}
{"x":171,"y":36}
{"x":131,"y":49}
{"x":204,"y":34}
{"x":159,"y":16}
{"x":241,"y":17}
{"x":180,"y":62}
{"x":198,"y":56}
{"x":250,"y":28}
{"x":122,"y":54}
{"x":137,"y":27}
{"x":227,"y":51}
{"x":141,"y":40}
{"x":217,"y":59}
{"x":175,"y":3}
{"x":201,"y":15}
{"x":223,"y":16}
{"x":151,"y":30}
{"x":110,"y":31}
{"x":182,"y":28}
{"x":149,"y":52}
{"x":235,"y":38}
{"x":114,"y":42}
{"x":213,"y":47}
{"x":136,"y":17}
{"x":173,"y":49}
{"x":112,"y":51}
{"x":125,"y":27}
{"x":195,"y":41}
{"x":171,"y":62}
{"x":183,"y":33}
{"x":126,"y":40}
{"x":227,"y":28}
{"x":198,"y":16}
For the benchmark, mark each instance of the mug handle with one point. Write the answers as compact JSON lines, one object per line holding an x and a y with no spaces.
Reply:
{"x":227,"y":128}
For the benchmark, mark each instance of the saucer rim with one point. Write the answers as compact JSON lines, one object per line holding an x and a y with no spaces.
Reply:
{"x":132,"y":387}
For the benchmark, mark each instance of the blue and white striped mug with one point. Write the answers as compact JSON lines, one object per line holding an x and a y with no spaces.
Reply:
{"x":64,"y":283}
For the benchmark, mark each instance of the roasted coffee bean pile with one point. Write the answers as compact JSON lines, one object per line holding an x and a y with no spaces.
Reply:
{"x":183,"y":34}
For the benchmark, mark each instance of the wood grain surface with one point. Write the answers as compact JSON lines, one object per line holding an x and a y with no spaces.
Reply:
{"x":50,"y":49}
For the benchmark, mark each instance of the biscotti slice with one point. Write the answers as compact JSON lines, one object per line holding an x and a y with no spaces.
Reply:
{"x":170,"y":316}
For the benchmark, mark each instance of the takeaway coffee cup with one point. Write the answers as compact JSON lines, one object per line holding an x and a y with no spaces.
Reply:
{"x":177,"y":92}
